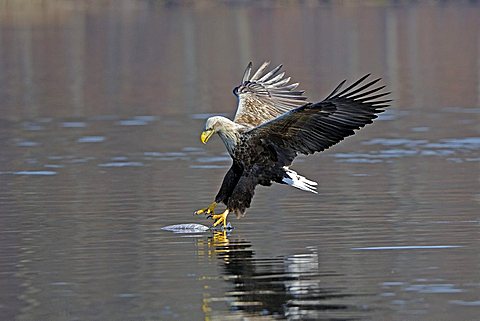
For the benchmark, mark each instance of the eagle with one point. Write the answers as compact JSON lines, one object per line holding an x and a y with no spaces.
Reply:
{"x":274,"y":123}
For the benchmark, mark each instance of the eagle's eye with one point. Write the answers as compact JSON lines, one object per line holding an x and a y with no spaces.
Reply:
{"x":235,"y":91}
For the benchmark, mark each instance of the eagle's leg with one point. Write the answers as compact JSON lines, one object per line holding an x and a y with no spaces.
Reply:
{"x":221,"y":218}
{"x":207,"y":210}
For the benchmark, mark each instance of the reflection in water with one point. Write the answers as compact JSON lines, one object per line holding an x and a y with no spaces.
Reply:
{"x":282,"y":287}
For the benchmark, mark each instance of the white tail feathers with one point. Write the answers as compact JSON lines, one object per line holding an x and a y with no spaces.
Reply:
{"x":293,"y":179}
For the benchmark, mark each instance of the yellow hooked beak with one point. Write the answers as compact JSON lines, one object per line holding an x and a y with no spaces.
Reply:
{"x":206,"y":135}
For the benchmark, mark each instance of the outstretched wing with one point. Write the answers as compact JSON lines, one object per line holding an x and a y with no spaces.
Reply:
{"x":315,"y":127}
{"x":264,"y":96}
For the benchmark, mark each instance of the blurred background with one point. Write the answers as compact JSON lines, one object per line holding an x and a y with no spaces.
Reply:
{"x":101,"y":107}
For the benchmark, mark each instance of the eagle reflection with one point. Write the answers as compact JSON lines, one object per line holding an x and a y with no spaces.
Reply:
{"x":285,"y":287}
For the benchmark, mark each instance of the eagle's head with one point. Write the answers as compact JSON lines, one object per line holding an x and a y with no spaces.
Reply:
{"x":227,"y":130}
{"x":218,"y":124}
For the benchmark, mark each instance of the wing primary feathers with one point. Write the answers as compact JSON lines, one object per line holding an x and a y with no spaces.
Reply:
{"x":382,"y":101}
{"x":282,"y":82}
{"x":246,"y":74}
{"x":290,"y":87}
{"x":336,"y":89}
{"x":272,"y":73}
{"x":367,"y":99}
{"x":349,"y":94}
{"x":364,"y":94}
{"x":275,"y":79}
{"x":260,"y":70}
{"x":353,"y":85}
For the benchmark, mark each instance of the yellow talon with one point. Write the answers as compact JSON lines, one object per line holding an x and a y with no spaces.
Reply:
{"x":208,"y":210}
{"x":221,"y":218}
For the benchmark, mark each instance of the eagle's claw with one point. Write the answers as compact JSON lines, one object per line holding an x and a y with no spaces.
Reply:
{"x":221,"y":218}
{"x":209,"y":211}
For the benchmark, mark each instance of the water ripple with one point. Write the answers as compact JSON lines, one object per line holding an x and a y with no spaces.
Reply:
{"x":395,"y":142}
{"x":213,"y":159}
{"x":433,"y":288}
{"x":137,"y":121}
{"x":466,"y":303}
{"x":208,"y":166}
{"x":413,"y":147}
{"x":122,"y":164}
{"x":27,"y":143}
{"x":74,"y":124}
{"x":91,"y":139}
{"x":35,"y":173}
{"x":406,"y":247}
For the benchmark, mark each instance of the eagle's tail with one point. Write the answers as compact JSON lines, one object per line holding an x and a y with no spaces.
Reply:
{"x":293,"y":179}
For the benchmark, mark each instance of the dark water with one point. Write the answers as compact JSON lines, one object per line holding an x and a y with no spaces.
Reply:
{"x":102,"y":104}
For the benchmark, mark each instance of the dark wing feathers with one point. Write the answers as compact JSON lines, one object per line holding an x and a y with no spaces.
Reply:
{"x":264,"y":96}
{"x":314,"y":127}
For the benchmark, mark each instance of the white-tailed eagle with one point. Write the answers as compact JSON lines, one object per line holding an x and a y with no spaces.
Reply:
{"x":274,"y":123}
